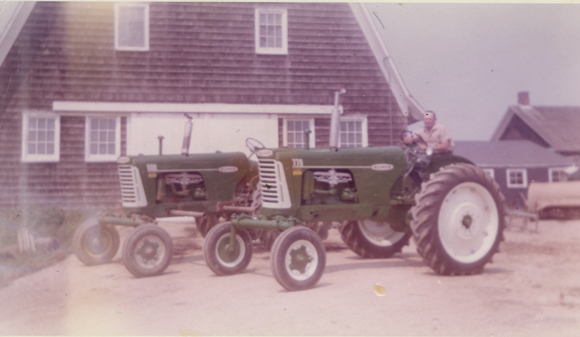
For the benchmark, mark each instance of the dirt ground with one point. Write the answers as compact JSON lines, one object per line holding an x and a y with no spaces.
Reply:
{"x":531,"y":289}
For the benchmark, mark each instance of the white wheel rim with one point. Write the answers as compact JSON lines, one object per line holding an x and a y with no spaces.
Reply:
{"x":468,"y":222}
{"x":149,"y":251}
{"x":301,"y":260}
{"x":241,"y":247}
{"x":380,"y":233}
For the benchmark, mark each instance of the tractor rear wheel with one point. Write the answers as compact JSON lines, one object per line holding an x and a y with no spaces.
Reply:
{"x":147,"y":251}
{"x":458,"y":220}
{"x":222,"y":257}
{"x":206,"y":222}
{"x":94,"y":243}
{"x":373,"y":240}
{"x":298,"y":258}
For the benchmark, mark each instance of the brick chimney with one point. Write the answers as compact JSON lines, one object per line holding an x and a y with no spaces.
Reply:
{"x":523,"y":98}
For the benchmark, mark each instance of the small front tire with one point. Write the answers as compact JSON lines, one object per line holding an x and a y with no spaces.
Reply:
{"x":298,"y":258}
{"x":147,"y":251}
{"x":94,"y":243}
{"x":223,"y":258}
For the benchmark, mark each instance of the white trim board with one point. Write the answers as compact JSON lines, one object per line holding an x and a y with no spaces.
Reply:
{"x":301,"y":109}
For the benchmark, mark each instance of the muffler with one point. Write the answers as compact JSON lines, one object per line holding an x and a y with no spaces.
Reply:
{"x":187,"y":136}
{"x":335,"y":121}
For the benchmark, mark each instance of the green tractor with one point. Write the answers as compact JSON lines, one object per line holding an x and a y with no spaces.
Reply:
{"x":204,"y":186}
{"x":381,"y":196}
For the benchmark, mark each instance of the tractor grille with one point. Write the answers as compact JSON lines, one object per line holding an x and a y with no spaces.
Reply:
{"x":273,"y":184}
{"x":132,"y":194}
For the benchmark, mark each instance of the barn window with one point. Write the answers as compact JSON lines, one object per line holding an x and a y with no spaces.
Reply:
{"x":102,"y":139}
{"x":294,"y":132}
{"x":557,"y":174}
{"x":271,"y":31}
{"x":40,"y":137}
{"x":517,"y":178}
{"x":132,"y":26}
{"x":353,"y":133}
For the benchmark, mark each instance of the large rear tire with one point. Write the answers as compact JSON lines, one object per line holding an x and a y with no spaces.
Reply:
{"x":223,"y":258}
{"x":147,"y":251}
{"x":373,"y":240}
{"x":94,"y":243}
{"x":298,"y":258}
{"x":458,"y":220}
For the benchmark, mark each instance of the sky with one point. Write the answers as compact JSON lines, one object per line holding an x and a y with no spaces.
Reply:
{"x":467,"y":62}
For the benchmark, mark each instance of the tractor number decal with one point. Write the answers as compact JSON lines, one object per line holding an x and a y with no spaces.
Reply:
{"x":297,"y":165}
{"x":152,"y":170}
{"x":382,"y":167}
{"x":228,"y":169}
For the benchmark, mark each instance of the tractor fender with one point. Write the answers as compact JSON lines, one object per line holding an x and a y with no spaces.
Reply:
{"x":438,"y":161}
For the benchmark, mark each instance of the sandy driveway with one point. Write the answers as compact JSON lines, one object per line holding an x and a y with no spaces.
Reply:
{"x":531,"y":289}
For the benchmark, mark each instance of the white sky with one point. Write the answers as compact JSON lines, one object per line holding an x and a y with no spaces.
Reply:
{"x":467,"y":62}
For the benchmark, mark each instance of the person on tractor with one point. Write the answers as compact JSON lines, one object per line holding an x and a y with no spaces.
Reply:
{"x":432,"y":135}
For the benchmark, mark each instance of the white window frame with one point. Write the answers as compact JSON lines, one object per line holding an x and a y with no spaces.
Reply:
{"x":551,"y":170}
{"x":271,"y":50}
{"x":102,"y":157}
{"x":118,"y":46}
{"x":364,"y":129}
{"x":524,"y":173}
{"x":312,"y":137}
{"x":40,"y":158}
{"x":490,"y":172}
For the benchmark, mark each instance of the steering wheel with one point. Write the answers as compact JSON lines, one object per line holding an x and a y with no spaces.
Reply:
{"x":405,"y":134}
{"x":254,"y":145}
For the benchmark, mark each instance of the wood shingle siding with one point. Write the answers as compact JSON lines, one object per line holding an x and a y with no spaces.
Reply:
{"x":199,"y":52}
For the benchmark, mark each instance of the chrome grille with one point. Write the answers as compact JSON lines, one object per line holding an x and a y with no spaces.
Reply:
{"x":132,"y":194}
{"x":268,"y":181}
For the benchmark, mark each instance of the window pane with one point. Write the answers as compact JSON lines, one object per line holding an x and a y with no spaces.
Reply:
{"x":42,"y":123}
{"x":102,"y":148}
{"x":111,"y":149}
{"x":41,"y":148}
{"x":131,"y":26}
{"x":32,"y":122}
{"x":50,"y":135}
{"x":102,"y":136}
{"x":111,"y":137}
{"x":50,"y":124}
{"x":31,"y":148}
{"x":50,"y":148}
{"x":32,"y":136}
{"x":94,"y":124}
{"x":94,"y":149}
{"x":41,"y":136}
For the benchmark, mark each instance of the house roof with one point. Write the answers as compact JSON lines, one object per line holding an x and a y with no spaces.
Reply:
{"x":410,"y":107}
{"x":556,"y":125}
{"x":510,"y":153}
{"x":13,"y":15}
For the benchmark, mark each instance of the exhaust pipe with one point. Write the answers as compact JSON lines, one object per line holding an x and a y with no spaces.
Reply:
{"x":187,"y":136}
{"x":335,"y":121}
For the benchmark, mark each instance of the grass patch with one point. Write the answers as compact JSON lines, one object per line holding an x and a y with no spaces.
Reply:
{"x":42,"y":222}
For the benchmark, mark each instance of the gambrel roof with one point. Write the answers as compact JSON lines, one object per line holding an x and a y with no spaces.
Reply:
{"x":556,"y":126}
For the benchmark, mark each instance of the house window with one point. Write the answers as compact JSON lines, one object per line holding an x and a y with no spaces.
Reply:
{"x":557,"y":174}
{"x":132,"y":26}
{"x":294,"y":132}
{"x":271,"y":31}
{"x":102,"y":139}
{"x":40,"y":138}
{"x":490,"y":172}
{"x":517,"y":178}
{"x":353,"y":133}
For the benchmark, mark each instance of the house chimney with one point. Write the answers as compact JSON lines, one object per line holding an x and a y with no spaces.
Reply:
{"x":524,"y":98}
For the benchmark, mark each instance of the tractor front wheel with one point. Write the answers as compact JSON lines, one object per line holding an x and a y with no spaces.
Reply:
{"x":298,"y":258}
{"x":373,"y":240}
{"x":147,"y":251}
{"x":94,"y":243}
{"x":458,"y":220}
{"x":223,"y":257}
